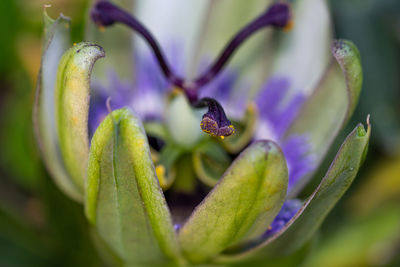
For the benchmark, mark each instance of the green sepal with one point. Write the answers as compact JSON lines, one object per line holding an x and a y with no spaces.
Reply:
{"x":56,"y":42}
{"x":123,"y":200}
{"x":72,"y":106}
{"x":185,"y":177}
{"x":349,"y":59}
{"x":241,"y":205}
{"x":210,"y":161}
{"x":331,"y":104}
{"x":304,"y":224}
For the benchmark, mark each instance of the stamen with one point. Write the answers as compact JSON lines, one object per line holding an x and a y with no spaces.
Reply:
{"x":106,"y":14}
{"x":278,"y":15}
{"x":214,"y":122}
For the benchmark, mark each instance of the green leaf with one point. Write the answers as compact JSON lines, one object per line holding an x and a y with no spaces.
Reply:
{"x":72,"y":107}
{"x":241,"y":205}
{"x":307,"y":220}
{"x":332,"y":103}
{"x":124,"y":201}
{"x":56,"y":42}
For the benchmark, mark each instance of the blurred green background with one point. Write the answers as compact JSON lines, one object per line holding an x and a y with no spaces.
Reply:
{"x":39,"y":226}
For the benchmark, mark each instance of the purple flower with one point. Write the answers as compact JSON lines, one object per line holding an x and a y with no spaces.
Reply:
{"x":219,"y":87}
{"x":234,"y":137}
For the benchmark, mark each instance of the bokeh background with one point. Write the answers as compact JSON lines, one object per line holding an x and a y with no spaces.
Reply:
{"x":39,"y":226}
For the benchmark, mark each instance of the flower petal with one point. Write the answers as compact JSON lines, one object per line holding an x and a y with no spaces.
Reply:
{"x":124,"y":201}
{"x":56,"y":42}
{"x":173,"y":23}
{"x":300,"y":55}
{"x":310,"y":216}
{"x":303,"y":53}
{"x":72,"y":106}
{"x":241,"y":205}
{"x":331,"y":104}
{"x":222,"y":24}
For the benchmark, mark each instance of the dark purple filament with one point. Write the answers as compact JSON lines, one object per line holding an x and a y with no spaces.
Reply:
{"x":105,"y":14}
{"x":278,"y":15}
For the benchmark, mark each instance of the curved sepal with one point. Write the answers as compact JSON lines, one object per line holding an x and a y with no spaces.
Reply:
{"x":349,"y":59}
{"x":241,"y":205}
{"x":56,"y":42}
{"x":331,"y":104}
{"x":123,"y":200}
{"x":72,"y":106}
{"x":210,"y":161}
{"x":307,"y":220}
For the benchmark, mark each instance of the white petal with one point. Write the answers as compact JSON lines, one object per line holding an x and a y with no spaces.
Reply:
{"x":305,"y":52}
{"x":173,"y":23}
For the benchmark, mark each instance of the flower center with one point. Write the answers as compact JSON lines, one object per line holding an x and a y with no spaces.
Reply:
{"x":214,"y":122}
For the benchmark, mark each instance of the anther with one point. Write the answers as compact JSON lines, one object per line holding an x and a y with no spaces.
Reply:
{"x":214,"y":122}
